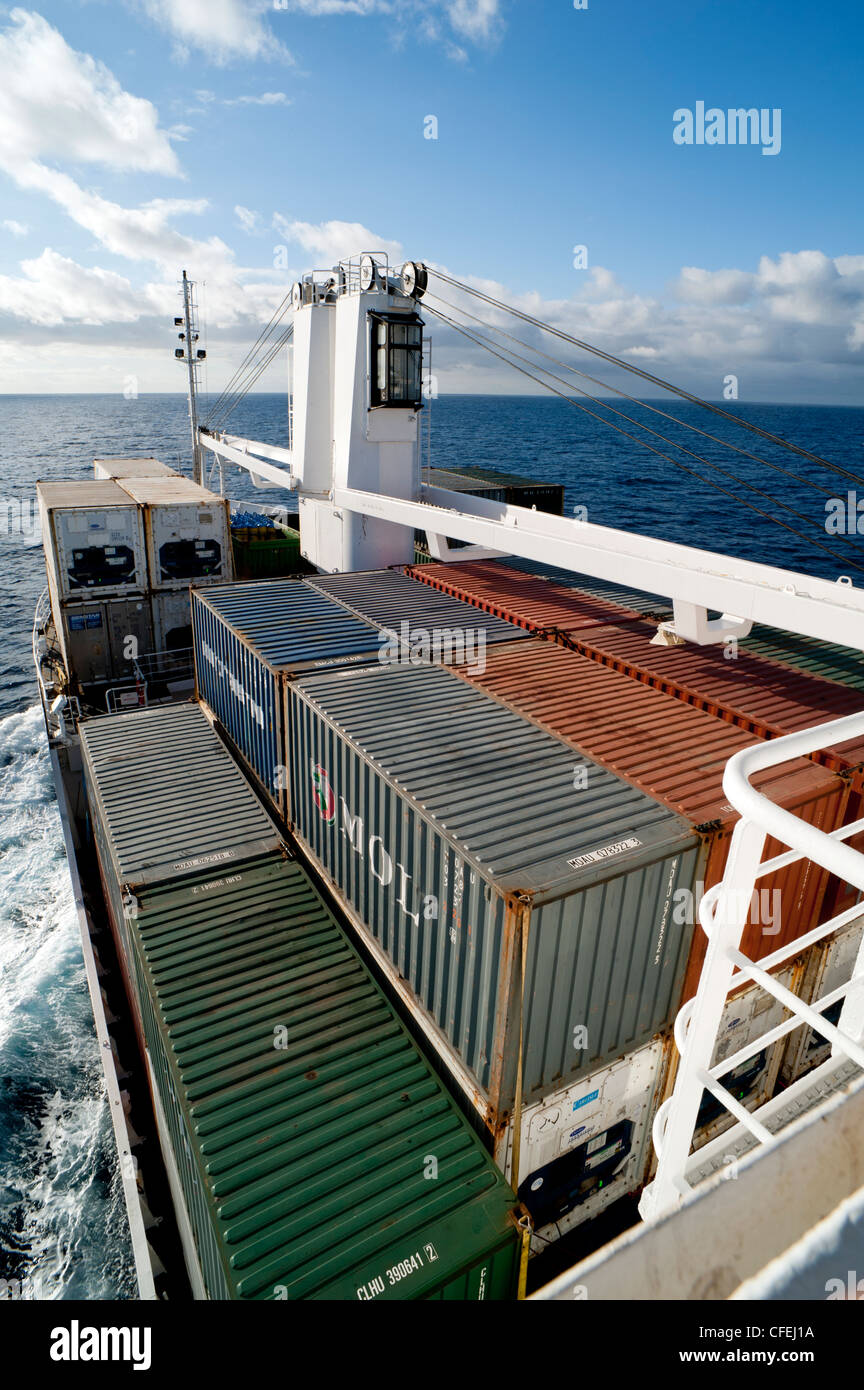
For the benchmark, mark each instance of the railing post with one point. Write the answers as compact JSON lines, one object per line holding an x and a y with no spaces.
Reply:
{"x":723,"y":913}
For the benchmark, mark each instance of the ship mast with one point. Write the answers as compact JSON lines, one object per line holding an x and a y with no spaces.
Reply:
{"x":191,"y":356}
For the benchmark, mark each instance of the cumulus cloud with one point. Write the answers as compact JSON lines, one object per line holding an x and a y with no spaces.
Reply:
{"x":14,"y":228}
{"x":223,"y":30}
{"x":328,"y":242}
{"x":55,"y":290}
{"x":246,"y":218}
{"x":58,"y":104}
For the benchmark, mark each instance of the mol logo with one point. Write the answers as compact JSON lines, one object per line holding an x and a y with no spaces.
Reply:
{"x":322,"y":793}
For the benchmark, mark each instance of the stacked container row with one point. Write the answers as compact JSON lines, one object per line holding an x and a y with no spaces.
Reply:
{"x":677,"y":754}
{"x":317,"y":1153}
{"x":758,"y":695}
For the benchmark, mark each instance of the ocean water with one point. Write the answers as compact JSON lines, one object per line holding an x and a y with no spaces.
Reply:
{"x":61,"y":1217}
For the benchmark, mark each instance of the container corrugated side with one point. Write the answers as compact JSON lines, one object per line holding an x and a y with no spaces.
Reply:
{"x":448,"y":825}
{"x":841,"y":664}
{"x":391,"y":599}
{"x":678,"y":754}
{"x":320,"y":1155}
{"x":654,"y":605}
{"x":168,"y":796}
{"x":758,"y":695}
{"x":248,"y":639}
{"x":533,"y":602}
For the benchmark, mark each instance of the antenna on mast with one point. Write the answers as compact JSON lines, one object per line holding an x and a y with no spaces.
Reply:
{"x":192,"y":356}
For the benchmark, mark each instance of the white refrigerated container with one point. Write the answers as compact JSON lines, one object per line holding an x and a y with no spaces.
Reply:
{"x":93,"y":536}
{"x":188,"y":532}
{"x":588,"y":1145}
{"x":133,"y":468}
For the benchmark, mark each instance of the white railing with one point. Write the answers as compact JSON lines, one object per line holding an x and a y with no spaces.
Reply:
{"x":723,"y":915}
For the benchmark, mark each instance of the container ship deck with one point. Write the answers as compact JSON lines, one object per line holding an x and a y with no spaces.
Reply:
{"x":389,"y":863}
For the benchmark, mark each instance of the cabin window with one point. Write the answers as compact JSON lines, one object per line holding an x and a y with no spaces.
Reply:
{"x":397,"y":367}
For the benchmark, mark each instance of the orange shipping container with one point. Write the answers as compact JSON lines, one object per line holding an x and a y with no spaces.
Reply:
{"x":760,"y":696}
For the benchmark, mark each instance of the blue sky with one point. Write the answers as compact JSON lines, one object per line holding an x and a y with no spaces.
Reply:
{"x":133,"y":132}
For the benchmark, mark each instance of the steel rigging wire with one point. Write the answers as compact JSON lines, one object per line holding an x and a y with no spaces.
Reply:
{"x":634,"y":400}
{"x":844,"y":560}
{"x":742,"y":482}
{"x":276,"y":317}
{"x":647,"y":376}
{"x":219,"y":419}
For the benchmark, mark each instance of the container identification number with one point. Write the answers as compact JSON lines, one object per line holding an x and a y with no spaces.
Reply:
{"x":596,"y":856}
{"x":403,"y":1269}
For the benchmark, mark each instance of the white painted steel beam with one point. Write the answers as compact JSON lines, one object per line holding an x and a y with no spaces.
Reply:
{"x":244,"y":458}
{"x":829,"y":611}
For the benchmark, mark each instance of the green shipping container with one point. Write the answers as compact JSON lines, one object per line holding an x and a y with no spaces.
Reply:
{"x":320,"y":1157}
{"x":264,"y":551}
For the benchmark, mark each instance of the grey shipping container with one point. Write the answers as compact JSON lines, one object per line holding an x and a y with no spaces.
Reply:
{"x":158,"y":818}
{"x":390,"y":599}
{"x":99,"y":639}
{"x":296,"y":1115}
{"x":462,"y":840}
{"x":249,"y":639}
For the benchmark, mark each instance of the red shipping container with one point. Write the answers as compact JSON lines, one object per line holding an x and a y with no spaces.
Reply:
{"x":677,"y":754}
{"x":758,"y":695}
{"x":538,"y":604}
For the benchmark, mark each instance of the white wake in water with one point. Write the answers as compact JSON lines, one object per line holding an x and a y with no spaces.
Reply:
{"x":62,"y":1222}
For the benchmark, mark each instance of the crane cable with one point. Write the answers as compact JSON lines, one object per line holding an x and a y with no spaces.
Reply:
{"x":249,"y":381}
{"x":647,"y":376}
{"x":742,"y":482}
{"x":634,"y":400}
{"x":276,"y":317}
{"x":578,"y":406}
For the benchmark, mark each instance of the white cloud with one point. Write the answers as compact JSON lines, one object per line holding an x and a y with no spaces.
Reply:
{"x":246,"y":219}
{"x":265,"y":99}
{"x":476,"y":19}
{"x":328,"y":242}
{"x":15,"y":228}
{"x":56,"y":103}
{"x":223,"y":30}
{"x":55,"y":290}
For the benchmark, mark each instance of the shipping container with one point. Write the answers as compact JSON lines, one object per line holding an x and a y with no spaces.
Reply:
{"x":100,"y":640}
{"x":678,"y":754}
{"x":249,"y":639}
{"x":133,"y":468}
{"x":748,"y":1015}
{"x":188,"y":531}
{"x":519,"y":491}
{"x":532,"y":602}
{"x":650,"y":605}
{"x":844,"y":665}
{"x":94,"y":541}
{"x":458,"y":836}
{"x":316,"y":1153}
{"x":394,"y":601}
{"x":591,"y":1144}
{"x":761,"y":696}
{"x":831,"y":963}
{"x":262,"y":552}
{"x":172,"y":620}
{"x":166,"y":800}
